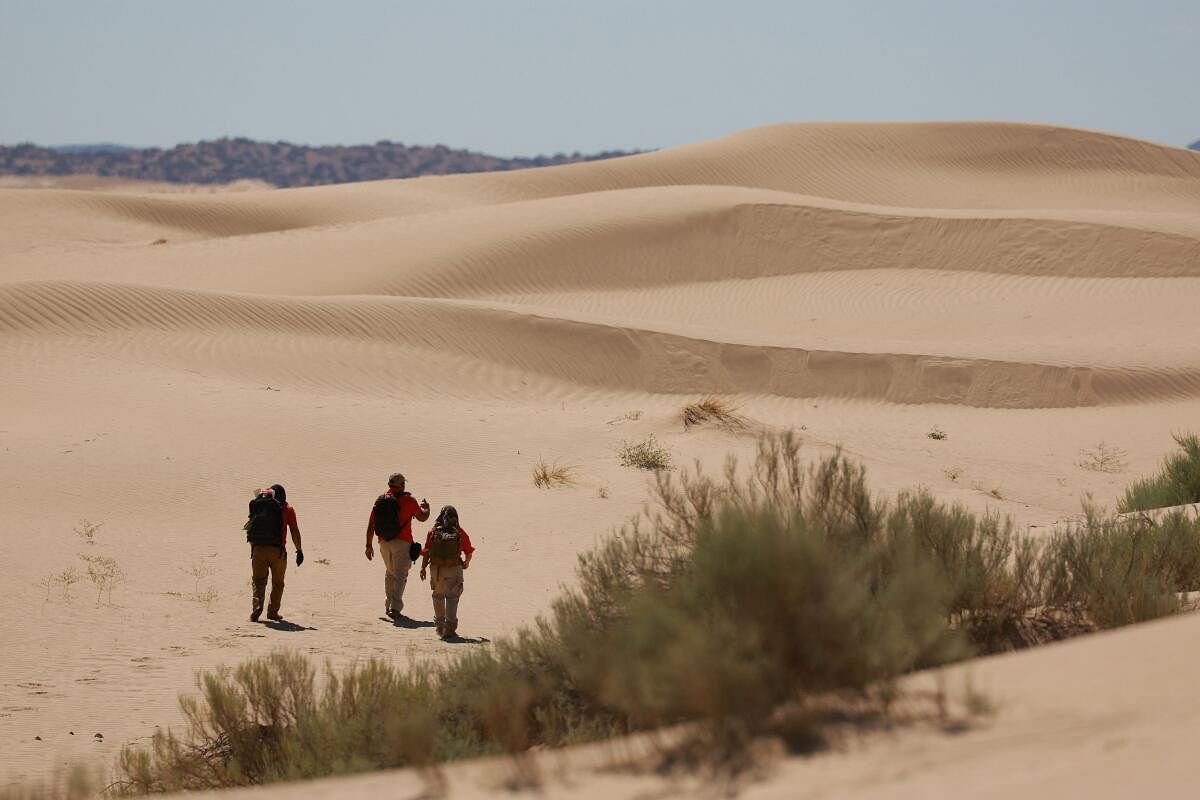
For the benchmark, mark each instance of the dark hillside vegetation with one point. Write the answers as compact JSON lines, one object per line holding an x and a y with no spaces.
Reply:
{"x":277,"y":163}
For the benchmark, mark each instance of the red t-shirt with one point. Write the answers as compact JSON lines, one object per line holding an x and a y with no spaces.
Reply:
{"x":464,"y":542}
{"x":407,"y":508}
{"x":289,"y":520}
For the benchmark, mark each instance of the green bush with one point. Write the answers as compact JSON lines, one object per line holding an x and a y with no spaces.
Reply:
{"x":266,"y":721}
{"x":1123,"y":570}
{"x":1176,"y":484}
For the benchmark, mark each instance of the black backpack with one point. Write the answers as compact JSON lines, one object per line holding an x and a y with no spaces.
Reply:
{"x":266,"y":521}
{"x":387,"y":516}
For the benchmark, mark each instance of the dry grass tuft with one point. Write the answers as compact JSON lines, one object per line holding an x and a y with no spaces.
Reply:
{"x":713,"y":409}
{"x":547,"y":477}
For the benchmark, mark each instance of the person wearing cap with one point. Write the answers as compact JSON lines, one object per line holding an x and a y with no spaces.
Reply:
{"x":448,"y":548}
{"x":269,"y":555}
{"x":394,"y":532}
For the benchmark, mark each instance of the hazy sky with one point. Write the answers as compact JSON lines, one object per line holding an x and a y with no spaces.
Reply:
{"x":526,"y":77}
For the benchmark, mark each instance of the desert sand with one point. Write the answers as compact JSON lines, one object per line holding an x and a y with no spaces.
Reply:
{"x":1028,"y":290}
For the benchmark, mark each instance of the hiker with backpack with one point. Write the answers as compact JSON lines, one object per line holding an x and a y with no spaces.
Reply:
{"x":391,"y":521}
{"x":448,"y":548}
{"x":266,"y":530}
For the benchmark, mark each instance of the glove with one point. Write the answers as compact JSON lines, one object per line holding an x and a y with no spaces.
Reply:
{"x":299,"y":557}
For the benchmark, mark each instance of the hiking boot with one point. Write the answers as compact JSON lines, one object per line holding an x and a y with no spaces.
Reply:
{"x":392,"y":614}
{"x":275,"y":617}
{"x":439,"y":630}
{"x":254,"y":615}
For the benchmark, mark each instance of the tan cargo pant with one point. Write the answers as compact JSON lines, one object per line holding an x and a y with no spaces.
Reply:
{"x":447,"y":585}
{"x":397,"y":565}
{"x":264,"y":559}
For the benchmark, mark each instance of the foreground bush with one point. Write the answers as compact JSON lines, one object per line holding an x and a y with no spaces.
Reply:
{"x":1176,"y":484}
{"x":734,"y":601}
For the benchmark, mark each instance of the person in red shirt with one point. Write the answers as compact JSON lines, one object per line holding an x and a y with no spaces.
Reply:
{"x":449,"y":549}
{"x":270,"y":556}
{"x":394,"y":531}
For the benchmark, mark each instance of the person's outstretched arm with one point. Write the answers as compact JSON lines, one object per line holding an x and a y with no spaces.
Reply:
{"x":424,"y":515}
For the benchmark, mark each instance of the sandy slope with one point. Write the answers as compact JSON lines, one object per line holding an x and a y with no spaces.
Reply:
{"x":1029,"y":290}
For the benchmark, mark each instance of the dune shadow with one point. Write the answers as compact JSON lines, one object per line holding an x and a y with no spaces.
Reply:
{"x":287,"y":627}
{"x":408,"y":622}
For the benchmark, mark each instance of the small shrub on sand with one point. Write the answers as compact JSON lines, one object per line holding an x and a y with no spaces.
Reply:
{"x":1176,"y":484}
{"x":87,"y":530}
{"x":1104,"y":458}
{"x":715,"y":410}
{"x":646,"y":454}
{"x":547,"y":477}
{"x":105,"y":574}
{"x":937,"y":433}
{"x":68,"y":578}
{"x":46,"y":582}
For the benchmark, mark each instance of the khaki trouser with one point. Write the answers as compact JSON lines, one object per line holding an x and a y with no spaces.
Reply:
{"x":263,"y":559}
{"x":447,"y":585}
{"x":397,"y":565}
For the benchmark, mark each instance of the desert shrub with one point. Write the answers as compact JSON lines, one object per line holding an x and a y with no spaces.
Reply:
{"x":1123,"y":570}
{"x":985,"y":565}
{"x":1104,"y":458}
{"x":266,"y":720}
{"x":761,"y":589}
{"x":105,"y":574}
{"x":713,"y":409}
{"x":546,"y":476}
{"x":87,"y":530}
{"x":646,"y":454}
{"x":1176,"y":484}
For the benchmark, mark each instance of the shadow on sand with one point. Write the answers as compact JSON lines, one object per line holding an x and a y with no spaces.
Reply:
{"x":412,"y":624}
{"x":287,"y":627}
{"x":466,"y":640}
{"x":407,"y":622}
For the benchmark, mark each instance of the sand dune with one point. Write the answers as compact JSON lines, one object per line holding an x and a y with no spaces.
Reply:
{"x":1029,"y":289}
{"x":232,"y":333}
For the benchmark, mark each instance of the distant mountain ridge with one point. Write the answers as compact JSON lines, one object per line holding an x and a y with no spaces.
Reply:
{"x":1194,"y":145}
{"x":278,"y":163}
